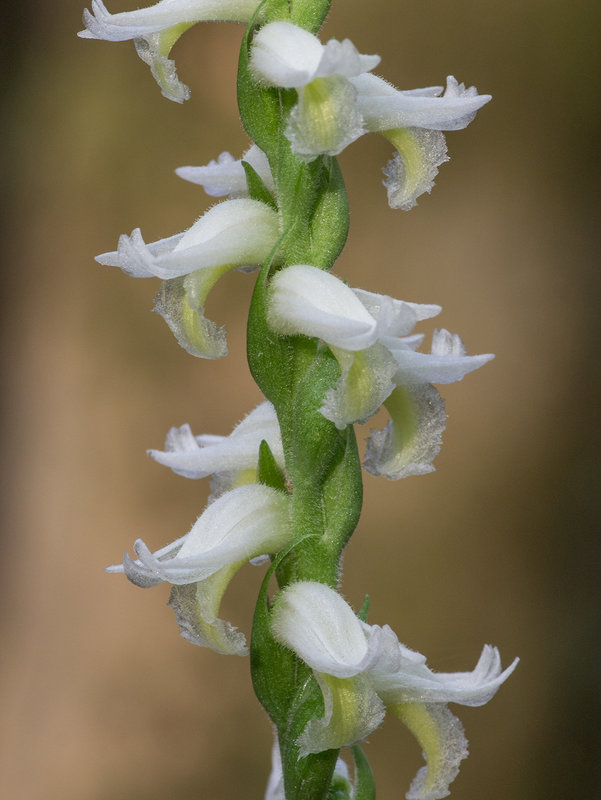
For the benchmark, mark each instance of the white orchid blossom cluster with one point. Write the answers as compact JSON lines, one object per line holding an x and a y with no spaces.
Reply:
{"x":339,"y":99}
{"x":243,"y":522}
{"x":286,"y":483}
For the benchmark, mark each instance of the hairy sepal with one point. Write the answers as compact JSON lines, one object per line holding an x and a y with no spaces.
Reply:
{"x":269,"y":472}
{"x":256,"y":188}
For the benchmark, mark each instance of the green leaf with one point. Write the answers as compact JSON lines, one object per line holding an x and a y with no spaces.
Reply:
{"x":269,"y":472}
{"x":330,"y":218}
{"x":307,"y":777}
{"x":364,"y":610}
{"x":270,"y":357}
{"x":315,"y":441}
{"x":259,"y":107}
{"x":343,"y":494}
{"x":365,"y":785}
{"x":256,"y":188}
{"x":273,"y":668}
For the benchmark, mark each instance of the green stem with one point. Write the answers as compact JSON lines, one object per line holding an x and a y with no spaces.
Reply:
{"x":322,"y":467}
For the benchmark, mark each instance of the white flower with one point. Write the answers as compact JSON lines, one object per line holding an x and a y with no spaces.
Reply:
{"x":412,"y":121}
{"x":363,"y":671}
{"x":239,"y":232}
{"x":369,"y":336}
{"x":325,"y":119}
{"x":339,"y":100}
{"x":226,"y":175}
{"x":234,"y":233}
{"x":232,"y":460}
{"x":156,"y":29}
{"x":241,"y":525}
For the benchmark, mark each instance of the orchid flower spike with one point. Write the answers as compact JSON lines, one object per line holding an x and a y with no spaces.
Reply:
{"x":234,"y":233}
{"x":156,"y":29}
{"x":325,"y":119}
{"x":364,"y":671}
{"x":370,"y":336}
{"x":231,"y":460}
{"x":240,"y":525}
{"x":226,"y":175}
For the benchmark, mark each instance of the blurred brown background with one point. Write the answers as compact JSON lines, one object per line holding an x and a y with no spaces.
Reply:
{"x":100,"y":697}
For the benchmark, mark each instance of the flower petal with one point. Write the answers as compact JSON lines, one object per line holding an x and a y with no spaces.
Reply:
{"x":284,"y":55}
{"x":135,"y":257}
{"x":414,"y":681}
{"x":413,"y":437}
{"x":414,"y":166}
{"x":244,"y":523}
{"x":319,"y":625}
{"x":352,"y":710}
{"x":325,"y":120}
{"x":154,"y":50}
{"x":290,"y":57}
{"x":101,"y":24}
{"x":239,"y":232}
{"x":395,"y":317}
{"x":441,"y":737}
{"x":321,"y":628}
{"x":477,"y":687}
{"x":365,"y":383}
{"x":383,"y":107}
{"x":181,"y":302}
{"x":343,"y":58}
{"x":306,"y":300}
{"x":446,"y":363}
{"x":226,"y":176}
{"x":196,"y":607}
{"x":199,"y":456}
